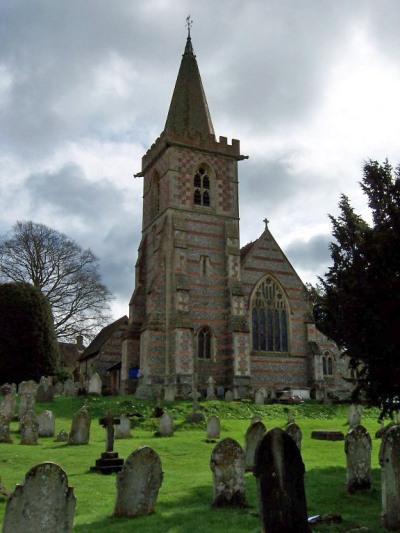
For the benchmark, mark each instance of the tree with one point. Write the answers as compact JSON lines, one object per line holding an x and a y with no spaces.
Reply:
{"x":28,"y":343}
{"x":358,"y":301}
{"x":65,"y":273}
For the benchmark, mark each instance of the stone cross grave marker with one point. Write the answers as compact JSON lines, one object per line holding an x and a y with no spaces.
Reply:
{"x":138,"y":483}
{"x":389,"y":454}
{"x":252,"y":438}
{"x":354,"y":416}
{"x":47,"y":424}
{"x":227,"y":466}
{"x":80,"y":427}
{"x":358,"y":447}
{"x":279,"y":470}
{"x":213,"y":428}
{"x":211,"y":389}
{"x":44,"y":503}
{"x":29,"y":428}
{"x":295,"y":432}
{"x":109,"y":460}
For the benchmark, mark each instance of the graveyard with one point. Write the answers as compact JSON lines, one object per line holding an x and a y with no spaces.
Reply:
{"x":186,"y":455}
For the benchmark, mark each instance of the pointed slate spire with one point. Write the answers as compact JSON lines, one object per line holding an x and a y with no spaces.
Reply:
{"x":188,"y":112}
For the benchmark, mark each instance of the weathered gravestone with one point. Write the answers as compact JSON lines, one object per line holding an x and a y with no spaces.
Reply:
{"x":44,"y":503}
{"x":354,"y":415}
{"x":227,"y":466}
{"x":109,"y":460}
{"x":45,"y":390}
{"x":62,"y":436}
{"x":58,"y":388}
{"x":95,"y":385}
{"x":389,"y":460}
{"x":138,"y":483}
{"x":166,"y":426}
{"x":211,"y":389}
{"x":259,"y":397}
{"x":5,"y":429}
{"x":27,"y":387}
{"x":295,"y":432}
{"x":70,"y":388}
{"x":80,"y":427}
{"x":213,"y":428}
{"x":29,"y":428}
{"x":279,"y":470}
{"x":229,"y":396}
{"x":195,"y":416}
{"x":123,"y":429}
{"x":252,"y":438}
{"x":47,"y":424}
{"x":358,"y":447}
{"x":7,"y":405}
{"x":170,"y":393}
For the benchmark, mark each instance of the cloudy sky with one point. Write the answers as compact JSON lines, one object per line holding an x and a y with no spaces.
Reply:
{"x":310,"y":87}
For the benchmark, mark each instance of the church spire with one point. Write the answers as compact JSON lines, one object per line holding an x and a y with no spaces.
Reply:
{"x":188,"y":112}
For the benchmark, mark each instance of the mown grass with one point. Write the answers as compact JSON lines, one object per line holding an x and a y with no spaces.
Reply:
{"x":186,"y":494}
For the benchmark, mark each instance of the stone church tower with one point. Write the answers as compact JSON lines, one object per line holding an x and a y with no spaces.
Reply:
{"x":202,"y":307}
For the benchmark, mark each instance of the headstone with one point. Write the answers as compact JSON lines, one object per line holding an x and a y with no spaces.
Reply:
{"x":7,"y":405}
{"x":227,"y":465}
{"x":47,"y":424}
{"x":220,"y":392}
{"x":170,"y":393}
{"x":279,"y":470}
{"x":294,"y":431}
{"x":211,"y":389}
{"x":28,"y":387}
{"x":229,"y":396}
{"x":291,"y":417}
{"x":358,"y":449}
{"x":70,"y":388}
{"x":389,"y":454}
{"x":138,"y":483}
{"x":354,"y":416}
{"x":166,"y":427}
{"x":109,"y":460}
{"x":259,"y":397}
{"x":45,"y":390}
{"x":213,"y":428}
{"x":254,"y":434}
{"x":80,"y":427}
{"x":62,"y":436}
{"x":95,"y":384}
{"x":29,"y":428}
{"x":123,"y":429}
{"x":44,"y":503}
{"x":5,"y":429}
{"x":195,"y":416}
{"x":58,"y":388}
{"x":27,"y":402}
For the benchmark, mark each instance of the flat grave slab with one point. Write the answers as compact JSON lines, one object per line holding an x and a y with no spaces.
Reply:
{"x":327,"y":434}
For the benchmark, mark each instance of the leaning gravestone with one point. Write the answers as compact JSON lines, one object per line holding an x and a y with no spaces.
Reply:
{"x":166,"y":427}
{"x":254,"y":434}
{"x":358,"y":449}
{"x":80,"y":427}
{"x":138,"y":483}
{"x":5,"y":429}
{"x":123,"y":429}
{"x":95,"y":385}
{"x":227,"y":466}
{"x":213,"y":428}
{"x":47,"y":424}
{"x":389,"y":454}
{"x":29,"y":428}
{"x":295,"y":432}
{"x":354,"y":415}
{"x":44,"y":503}
{"x":279,"y":470}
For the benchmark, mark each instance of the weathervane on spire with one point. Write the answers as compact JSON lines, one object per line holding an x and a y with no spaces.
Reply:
{"x":189,"y":24}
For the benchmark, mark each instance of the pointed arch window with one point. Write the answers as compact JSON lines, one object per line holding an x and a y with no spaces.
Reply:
{"x":269,"y":317}
{"x":204,"y":343}
{"x":155,"y":187}
{"x":327,"y":364}
{"x":201,"y":183}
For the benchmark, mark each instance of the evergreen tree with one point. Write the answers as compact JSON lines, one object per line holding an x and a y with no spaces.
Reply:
{"x":358,"y":301}
{"x":28,"y":344}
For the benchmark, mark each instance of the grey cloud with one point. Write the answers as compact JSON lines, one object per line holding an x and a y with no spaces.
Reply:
{"x":311,"y":255}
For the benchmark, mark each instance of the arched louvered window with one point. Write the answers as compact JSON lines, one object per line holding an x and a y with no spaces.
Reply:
{"x":269,"y":318}
{"x":201,"y":183}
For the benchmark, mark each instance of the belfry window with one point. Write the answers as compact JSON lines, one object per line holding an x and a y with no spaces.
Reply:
{"x":204,"y":343}
{"x":201,"y":182}
{"x":269,"y":313}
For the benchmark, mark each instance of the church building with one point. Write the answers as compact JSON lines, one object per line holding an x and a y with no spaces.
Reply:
{"x":202,"y":306}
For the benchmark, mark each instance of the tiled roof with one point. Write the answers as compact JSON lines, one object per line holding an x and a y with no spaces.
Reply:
{"x":97,"y":343}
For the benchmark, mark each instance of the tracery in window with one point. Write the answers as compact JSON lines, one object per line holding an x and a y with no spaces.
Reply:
{"x":269,"y":313}
{"x":201,"y":182}
{"x":204,"y":343}
{"x":327,"y":364}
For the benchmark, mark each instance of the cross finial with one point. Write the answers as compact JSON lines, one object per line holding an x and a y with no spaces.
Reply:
{"x":188,"y":24}
{"x":266,"y":221}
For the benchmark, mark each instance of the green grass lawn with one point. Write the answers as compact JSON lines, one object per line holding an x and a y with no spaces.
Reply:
{"x":186,"y":494}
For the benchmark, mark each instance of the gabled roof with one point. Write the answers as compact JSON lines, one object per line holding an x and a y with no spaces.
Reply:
{"x":188,"y":112}
{"x":246,"y":249}
{"x":69,"y":353}
{"x":102,"y":337}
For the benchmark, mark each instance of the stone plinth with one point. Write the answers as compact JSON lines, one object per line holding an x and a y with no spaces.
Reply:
{"x":109,"y":462}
